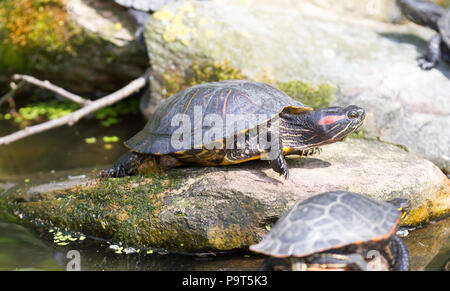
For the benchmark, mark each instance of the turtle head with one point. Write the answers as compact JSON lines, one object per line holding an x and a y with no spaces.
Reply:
{"x":335,"y":123}
{"x":320,"y":127}
{"x":403,"y":205}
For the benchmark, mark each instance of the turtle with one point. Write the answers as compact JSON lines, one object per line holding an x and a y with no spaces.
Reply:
{"x":234,"y":121}
{"x":336,"y":230}
{"x":431,"y":15}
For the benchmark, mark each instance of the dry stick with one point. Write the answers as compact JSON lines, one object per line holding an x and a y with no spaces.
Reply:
{"x":49,"y":86}
{"x":73,"y":117}
{"x":12,"y":92}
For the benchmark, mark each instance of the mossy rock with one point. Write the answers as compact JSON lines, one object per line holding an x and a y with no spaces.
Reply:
{"x":54,"y":39}
{"x":225,"y":208}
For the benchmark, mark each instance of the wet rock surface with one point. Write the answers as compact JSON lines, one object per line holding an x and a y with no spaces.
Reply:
{"x":429,"y":246}
{"x":225,"y":208}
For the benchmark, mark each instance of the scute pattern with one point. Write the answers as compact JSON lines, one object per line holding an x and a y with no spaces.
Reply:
{"x":347,"y":218}
{"x":252,"y":102}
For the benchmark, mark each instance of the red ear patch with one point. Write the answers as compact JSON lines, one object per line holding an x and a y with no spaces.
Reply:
{"x":330,"y":119}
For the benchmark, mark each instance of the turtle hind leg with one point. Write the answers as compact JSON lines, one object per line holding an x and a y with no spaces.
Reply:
{"x":401,"y":254}
{"x":433,"y":54}
{"x":127,"y":165}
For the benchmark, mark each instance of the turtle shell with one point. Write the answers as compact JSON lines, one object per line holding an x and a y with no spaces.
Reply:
{"x":444,"y":28}
{"x":328,"y":221}
{"x":240,"y":105}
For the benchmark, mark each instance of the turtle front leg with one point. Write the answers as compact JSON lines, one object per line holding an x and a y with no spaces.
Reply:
{"x":127,"y":165}
{"x":278,"y":163}
{"x":433,"y":55}
{"x":280,"y":166}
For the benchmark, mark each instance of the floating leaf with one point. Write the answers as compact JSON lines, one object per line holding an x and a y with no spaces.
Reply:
{"x":90,"y":140}
{"x":110,"y":138}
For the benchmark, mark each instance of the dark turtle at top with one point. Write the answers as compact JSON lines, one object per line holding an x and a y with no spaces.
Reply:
{"x":429,"y":14}
{"x":234,"y":121}
{"x":336,"y":230}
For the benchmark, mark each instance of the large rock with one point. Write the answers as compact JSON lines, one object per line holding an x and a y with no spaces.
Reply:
{"x":372,"y":64}
{"x":224,"y":208}
{"x":425,"y":243}
{"x":86,"y":46}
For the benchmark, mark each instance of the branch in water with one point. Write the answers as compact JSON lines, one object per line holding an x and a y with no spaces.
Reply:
{"x":73,"y":117}
{"x":49,"y":86}
{"x":12,"y":92}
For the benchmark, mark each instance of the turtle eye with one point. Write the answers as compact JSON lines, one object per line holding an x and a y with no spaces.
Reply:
{"x":352,"y":114}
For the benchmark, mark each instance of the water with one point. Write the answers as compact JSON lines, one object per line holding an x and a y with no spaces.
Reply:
{"x":65,"y":148}
{"x":23,"y":249}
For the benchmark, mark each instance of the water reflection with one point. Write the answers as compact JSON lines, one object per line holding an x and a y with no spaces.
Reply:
{"x":21,"y":250}
{"x":65,"y":147}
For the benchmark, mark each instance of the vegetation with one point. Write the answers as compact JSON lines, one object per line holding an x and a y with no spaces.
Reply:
{"x":39,"y":111}
{"x":201,"y":72}
{"x":314,"y":96}
{"x":110,"y":208}
{"x":35,"y":30}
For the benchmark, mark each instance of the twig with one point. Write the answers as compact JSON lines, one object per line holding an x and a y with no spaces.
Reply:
{"x":73,"y":117}
{"x":49,"y":86}
{"x":12,"y":92}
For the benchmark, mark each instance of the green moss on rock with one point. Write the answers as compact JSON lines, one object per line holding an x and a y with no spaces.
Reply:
{"x":314,"y":96}
{"x":431,"y":209}
{"x":105,"y":208}
{"x":200,"y":72}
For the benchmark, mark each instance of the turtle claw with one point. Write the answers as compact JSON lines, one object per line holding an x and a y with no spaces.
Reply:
{"x":113,"y":172}
{"x":280,"y":166}
{"x":426,"y":65}
{"x":311,"y":151}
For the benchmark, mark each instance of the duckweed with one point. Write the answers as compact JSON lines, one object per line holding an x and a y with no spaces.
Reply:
{"x":90,"y":140}
{"x":53,"y":109}
{"x":64,"y":238}
{"x":111,"y":139}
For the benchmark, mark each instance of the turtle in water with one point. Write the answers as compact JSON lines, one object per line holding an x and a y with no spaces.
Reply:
{"x":337,"y":231}
{"x":234,"y":121}
{"x":429,"y":14}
